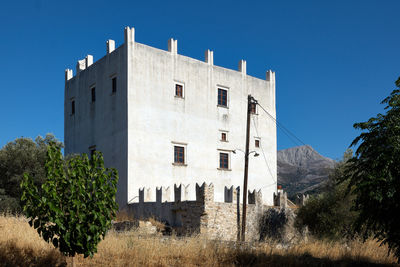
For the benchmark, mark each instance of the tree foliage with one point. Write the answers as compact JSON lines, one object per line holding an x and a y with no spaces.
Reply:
{"x":328,"y":214}
{"x":17,"y":157}
{"x":74,"y":207}
{"x":374,"y":173}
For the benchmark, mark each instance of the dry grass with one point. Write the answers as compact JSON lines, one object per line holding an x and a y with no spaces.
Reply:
{"x":123,"y":215}
{"x":20,"y":245}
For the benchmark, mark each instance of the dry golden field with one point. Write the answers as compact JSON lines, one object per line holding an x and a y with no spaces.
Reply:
{"x":20,"y":245}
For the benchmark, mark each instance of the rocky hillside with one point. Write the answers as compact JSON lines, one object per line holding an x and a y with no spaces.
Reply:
{"x":302,"y":169}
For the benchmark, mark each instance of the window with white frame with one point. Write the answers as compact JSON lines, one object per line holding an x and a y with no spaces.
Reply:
{"x":223,"y":136}
{"x":180,"y":154}
{"x":224,"y":160}
{"x":222,"y":99}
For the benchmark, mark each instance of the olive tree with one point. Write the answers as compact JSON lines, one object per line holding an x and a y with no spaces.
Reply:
{"x":22,"y":155}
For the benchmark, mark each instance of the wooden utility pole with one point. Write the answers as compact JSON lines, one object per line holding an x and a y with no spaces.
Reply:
{"x":246,"y":167}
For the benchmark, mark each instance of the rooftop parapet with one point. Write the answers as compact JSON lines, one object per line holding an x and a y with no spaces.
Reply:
{"x":243,"y":67}
{"x":110,"y":46}
{"x":129,"y":35}
{"x":88,"y":60}
{"x":84,"y":63}
{"x":68,"y":74}
{"x":270,"y":76}
{"x":80,"y":65}
{"x":129,"y":38}
{"x":173,"y":46}
{"x":209,"y":57}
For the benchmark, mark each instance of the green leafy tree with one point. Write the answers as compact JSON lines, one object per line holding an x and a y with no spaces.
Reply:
{"x":23,"y":155}
{"x":74,"y":207}
{"x":374,"y":174}
{"x":329,"y":214}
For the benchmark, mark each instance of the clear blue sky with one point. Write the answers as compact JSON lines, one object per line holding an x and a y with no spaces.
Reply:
{"x":334,"y":60}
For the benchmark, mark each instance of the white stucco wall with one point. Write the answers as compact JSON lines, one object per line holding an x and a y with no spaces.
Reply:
{"x":135,"y":128}
{"x":156,"y":119}
{"x":103,"y":123}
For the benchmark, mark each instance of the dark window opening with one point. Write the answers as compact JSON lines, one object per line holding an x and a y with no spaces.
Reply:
{"x":114,"y":84}
{"x":253,"y":108}
{"x":257,"y":143}
{"x":92,"y":150}
{"x":222,"y":97}
{"x":93,"y":94}
{"x":223,"y":136}
{"x":179,"y":154}
{"x":72,"y":107}
{"x":223,"y":160}
{"x":179,"y":90}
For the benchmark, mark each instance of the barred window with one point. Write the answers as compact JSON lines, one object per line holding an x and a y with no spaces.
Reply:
{"x":222,"y":97}
{"x":223,"y":160}
{"x":179,"y":154}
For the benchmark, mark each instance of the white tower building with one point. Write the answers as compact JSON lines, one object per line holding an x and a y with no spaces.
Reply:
{"x":162,"y":118}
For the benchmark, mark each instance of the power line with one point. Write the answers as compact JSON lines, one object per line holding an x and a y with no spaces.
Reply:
{"x":286,"y":131}
{"x":262,"y":150}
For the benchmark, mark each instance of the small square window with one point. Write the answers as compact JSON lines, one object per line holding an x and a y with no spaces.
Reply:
{"x":93,"y":90}
{"x":223,"y":160}
{"x":257,"y":143}
{"x":253,"y":108}
{"x":72,"y":107}
{"x":222,"y":97}
{"x":114,"y":84}
{"x":223,"y":137}
{"x":179,"y":154}
{"x":179,"y":90}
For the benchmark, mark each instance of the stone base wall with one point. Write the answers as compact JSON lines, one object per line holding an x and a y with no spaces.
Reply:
{"x":216,"y":220}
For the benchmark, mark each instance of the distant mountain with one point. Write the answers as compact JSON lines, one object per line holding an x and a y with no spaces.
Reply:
{"x":302,"y":169}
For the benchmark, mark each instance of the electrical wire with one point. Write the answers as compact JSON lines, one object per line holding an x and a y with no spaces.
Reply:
{"x":286,"y":131}
{"x":262,"y":150}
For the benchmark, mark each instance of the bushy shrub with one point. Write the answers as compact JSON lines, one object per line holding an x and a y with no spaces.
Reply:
{"x":8,"y":204}
{"x":74,"y":207}
{"x":329,"y":214}
{"x":272,"y":224}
